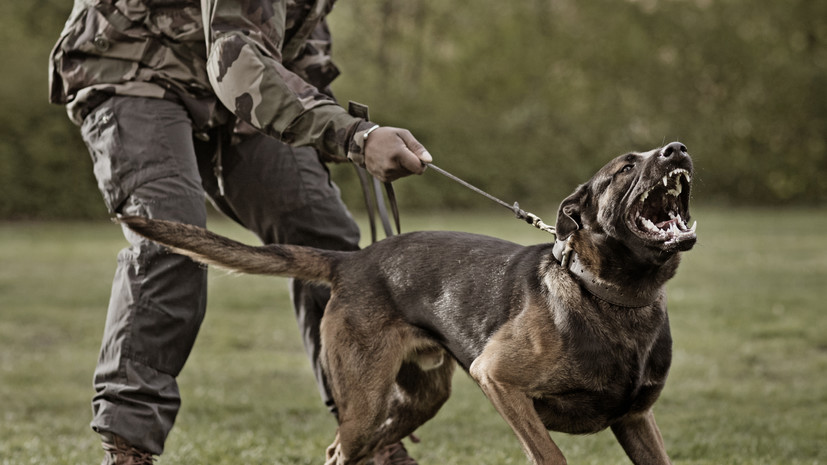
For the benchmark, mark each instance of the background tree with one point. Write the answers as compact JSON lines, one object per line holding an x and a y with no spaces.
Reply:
{"x":524,"y":99}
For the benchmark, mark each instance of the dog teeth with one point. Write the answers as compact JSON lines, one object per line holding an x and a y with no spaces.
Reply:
{"x":647,"y":223}
{"x":679,"y":221}
{"x":675,"y":228}
{"x":679,"y":171}
{"x":676,"y":191}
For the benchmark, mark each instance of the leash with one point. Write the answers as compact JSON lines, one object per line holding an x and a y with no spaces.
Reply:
{"x":372,"y":188}
{"x":562,"y":250}
{"x":528,"y":217}
{"x":374,"y":200}
{"x":375,"y":203}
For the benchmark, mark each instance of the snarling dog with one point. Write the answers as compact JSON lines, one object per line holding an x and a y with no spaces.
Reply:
{"x":571,"y":336}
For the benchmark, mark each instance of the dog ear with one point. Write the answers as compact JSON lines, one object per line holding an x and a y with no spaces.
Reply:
{"x":568,"y":215}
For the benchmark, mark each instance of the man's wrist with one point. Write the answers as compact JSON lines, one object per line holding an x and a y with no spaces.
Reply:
{"x":367,"y":133}
{"x":356,"y":150}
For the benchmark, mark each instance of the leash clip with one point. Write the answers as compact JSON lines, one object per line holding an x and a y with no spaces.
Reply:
{"x":533,"y":220}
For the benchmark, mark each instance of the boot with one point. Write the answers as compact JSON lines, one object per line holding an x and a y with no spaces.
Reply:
{"x":118,"y":452}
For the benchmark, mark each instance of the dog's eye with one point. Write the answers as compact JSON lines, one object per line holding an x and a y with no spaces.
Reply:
{"x":626,"y":168}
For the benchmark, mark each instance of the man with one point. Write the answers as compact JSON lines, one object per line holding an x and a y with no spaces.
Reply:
{"x":176,"y":98}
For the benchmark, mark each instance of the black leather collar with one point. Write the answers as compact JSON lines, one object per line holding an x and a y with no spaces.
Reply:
{"x":603,"y":290}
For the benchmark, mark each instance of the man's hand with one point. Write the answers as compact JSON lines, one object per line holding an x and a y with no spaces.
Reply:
{"x":393,"y":153}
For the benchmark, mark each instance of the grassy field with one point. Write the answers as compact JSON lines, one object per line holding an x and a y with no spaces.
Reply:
{"x":748,"y":383}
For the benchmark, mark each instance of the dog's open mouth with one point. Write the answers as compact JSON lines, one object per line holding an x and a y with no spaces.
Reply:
{"x":660,"y":214}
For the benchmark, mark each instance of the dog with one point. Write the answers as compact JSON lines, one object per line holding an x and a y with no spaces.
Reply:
{"x":570,"y":336}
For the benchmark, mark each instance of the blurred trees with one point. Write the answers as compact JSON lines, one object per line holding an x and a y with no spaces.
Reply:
{"x":528,"y":98}
{"x":525,"y":99}
{"x":45,"y":170}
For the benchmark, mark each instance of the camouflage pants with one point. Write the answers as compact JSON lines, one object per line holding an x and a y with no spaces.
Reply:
{"x":147,"y":162}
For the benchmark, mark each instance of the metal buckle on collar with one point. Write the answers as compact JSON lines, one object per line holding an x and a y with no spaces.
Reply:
{"x":562,"y":251}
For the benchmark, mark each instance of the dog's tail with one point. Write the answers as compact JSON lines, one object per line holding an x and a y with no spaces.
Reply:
{"x":203,"y":246}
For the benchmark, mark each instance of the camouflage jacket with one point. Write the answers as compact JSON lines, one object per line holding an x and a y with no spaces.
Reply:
{"x":266,"y":61}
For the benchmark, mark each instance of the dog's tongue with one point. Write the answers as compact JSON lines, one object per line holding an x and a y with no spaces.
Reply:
{"x":664,"y":224}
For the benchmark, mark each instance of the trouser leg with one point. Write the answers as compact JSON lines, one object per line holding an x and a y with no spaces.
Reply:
{"x":145,"y":164}
{"x":284,"y":195}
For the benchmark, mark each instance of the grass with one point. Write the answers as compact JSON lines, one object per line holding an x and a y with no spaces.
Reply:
{"x":748,"y":383}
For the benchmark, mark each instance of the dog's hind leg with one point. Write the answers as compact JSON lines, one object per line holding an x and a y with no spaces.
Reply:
{"x":384,"y":416}
{"x":418,"y":395}
{"x":361,"y":362}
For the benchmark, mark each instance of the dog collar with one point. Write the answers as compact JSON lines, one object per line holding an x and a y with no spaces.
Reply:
{"x":597,"y":287}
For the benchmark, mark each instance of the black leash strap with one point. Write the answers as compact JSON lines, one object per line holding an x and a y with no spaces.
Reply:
{"x":368,"y":197}
{"x":372,"y":189}
{"x":394,"y":208}
{"x":528,"y":217}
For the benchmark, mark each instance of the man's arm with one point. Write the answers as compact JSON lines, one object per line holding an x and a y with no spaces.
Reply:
{"x":244,"y":40}
{"x":244,"y":43}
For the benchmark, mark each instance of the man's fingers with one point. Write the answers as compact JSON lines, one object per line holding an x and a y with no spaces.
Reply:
{"x":412,"y":163}
{"x":415,"y":164}
{"x":393,"y":153}
{"x":414,"y":146}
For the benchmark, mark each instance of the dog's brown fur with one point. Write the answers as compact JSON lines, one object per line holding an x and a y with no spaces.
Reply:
{"x":548,"y":350}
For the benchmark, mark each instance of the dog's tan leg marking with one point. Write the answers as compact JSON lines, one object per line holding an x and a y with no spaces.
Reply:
{"x":507,"y":382}
{"x":641,"y":439}
{"x":518,"y":411}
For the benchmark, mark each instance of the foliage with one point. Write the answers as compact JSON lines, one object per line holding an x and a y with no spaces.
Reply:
{"x":524,"y":99}
{"x":747,"y":384}
{"x":529,"y":98}
{"x":45,"y":170}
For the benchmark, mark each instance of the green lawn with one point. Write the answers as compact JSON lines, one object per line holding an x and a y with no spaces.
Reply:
{"x":748,"y":382}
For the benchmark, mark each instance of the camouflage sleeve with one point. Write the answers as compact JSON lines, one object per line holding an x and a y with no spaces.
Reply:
{"x":244,"y":40}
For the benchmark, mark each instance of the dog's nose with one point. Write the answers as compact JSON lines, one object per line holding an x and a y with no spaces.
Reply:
{"x":675,"y":148}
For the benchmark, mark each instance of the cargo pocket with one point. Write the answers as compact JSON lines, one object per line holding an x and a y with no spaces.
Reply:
{"x":100,"y":132}
{"x":121,"y":164}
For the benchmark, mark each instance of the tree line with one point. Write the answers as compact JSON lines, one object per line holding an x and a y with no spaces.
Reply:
{"x":525,"y":99}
